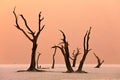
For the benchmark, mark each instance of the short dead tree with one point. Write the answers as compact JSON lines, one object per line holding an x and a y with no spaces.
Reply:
{"x":98,"y":61}
{"x":38,"y":67}
{"x":74,"y":57}
{"x":53,"y":64}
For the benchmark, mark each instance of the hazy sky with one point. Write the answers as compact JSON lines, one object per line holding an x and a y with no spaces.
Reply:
{"x":74,"y":17}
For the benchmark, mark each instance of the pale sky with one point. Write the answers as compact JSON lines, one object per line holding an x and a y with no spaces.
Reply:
{"x":74,"y":17}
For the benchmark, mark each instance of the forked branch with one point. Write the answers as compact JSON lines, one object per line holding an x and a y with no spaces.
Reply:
{"x":25,"y":21}
{"x":74,"y":57}
{"x":18,"y":26}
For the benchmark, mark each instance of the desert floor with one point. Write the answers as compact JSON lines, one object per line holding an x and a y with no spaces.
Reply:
{"x":106,"y":72}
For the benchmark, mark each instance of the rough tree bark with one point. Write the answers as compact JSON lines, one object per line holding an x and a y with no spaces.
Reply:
{"x":86,"y":50}
{"x":38,"y":67}
{"x":63,"y":46}
{"x":34,"y":36}
{"x":53,"y":64}
{"x":99,"y":61}
{"x":74,"y":57}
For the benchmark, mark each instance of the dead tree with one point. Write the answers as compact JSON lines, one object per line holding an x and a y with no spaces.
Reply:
{"x":74,"y":57}
{"x":86,"y":50}
{"x":63,"y":46}
{"x":32,"y":36}
{"x":99,"y":61}
{"x":38,"y":67}
{"x":53,"y":64}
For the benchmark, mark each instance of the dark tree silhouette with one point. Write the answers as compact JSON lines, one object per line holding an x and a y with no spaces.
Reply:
{"x":53,"y":64}
{"x":63,"y":46}
{"x":38,"y":67}
{"x":34,"y":36}
{"x":99,"y":61}
{"x":86,"y":50}
{"x":74,"y":57}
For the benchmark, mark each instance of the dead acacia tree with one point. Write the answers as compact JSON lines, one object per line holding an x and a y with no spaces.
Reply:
{"x":63,"y":46}
{"x":32,"y":36}
{"x":53,"y":64}
{"x":38,"y":67}
{"x":74,"y":57}
{"x":99,"y":61}
{"x":86,"y":50}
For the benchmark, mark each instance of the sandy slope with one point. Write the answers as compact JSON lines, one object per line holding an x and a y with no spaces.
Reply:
{"x":107,"y":72}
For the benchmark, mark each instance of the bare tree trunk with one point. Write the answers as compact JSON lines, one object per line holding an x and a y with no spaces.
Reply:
{"x":74,"y":62}
{"x":53,"y":64}
{"x":81,"y":64}
{"x":33,"y":62}
{"x":99,"y":61}
{"x":68,"y":65}
{"x":86,"y":50}
{"x":34,"y":38}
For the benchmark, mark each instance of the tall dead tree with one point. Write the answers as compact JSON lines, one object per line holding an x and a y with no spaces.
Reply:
{"x":99,"y":61}
{"x":74,"y":57}
{"x":86,"y":50}
{"x":63,"y":46}
{"x":53,"y":64}
{"x":31,"y":35}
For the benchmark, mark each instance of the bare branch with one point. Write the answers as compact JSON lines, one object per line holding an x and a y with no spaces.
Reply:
{"x":64,"y":37}
{"x":42,"y":19}
{"x":102,"y":61}
{"x":39,"y":53}
{"x":71,"y":58}
{"x":88,"y":37}
{"x":39,"y":24}
{"x":26,"y":35}
{"x":42,"y":28}
{"x":78,"y":52}
{"x":73,"y":53}
{"x":16,"y":19}
{"x":61,"y":48}
{"x":96,"y":56}
{"x":39,"y":21}
{"x":18,"y":27}
{"x":27,"y":24}
{"x":61,"y":43}
{"x":89,"y":50}
{"x":84,"y":43}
